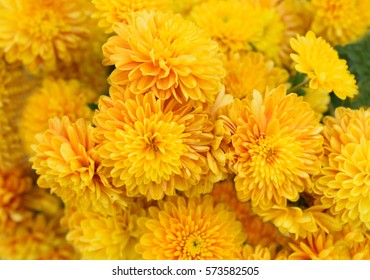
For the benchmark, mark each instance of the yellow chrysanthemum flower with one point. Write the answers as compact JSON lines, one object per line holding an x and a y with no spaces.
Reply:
{"x":233,"y":24}
{"x":55,"y":98}
{"x":101,"y":237}
{"x":43,"y":33}
{"x":14,"y":184}
{"x":339,"y":22}
{"x":15,"y":85}
{"x":319,"y":246}
{"x":66,"y":162}
{"x":252,"y":71}
{"x":318,"y":99}
{"x":154,"y":147}
{"x":300,"y":222}
{"x":148,"y":58}
{"x":344,"y":179}
{"x":111,"y":11}
{"x":194,"y":228}
{"x":38,"y":238}
{"x":316,"y":58}
{"x":277,"y":146}
{"x":286,"y":18}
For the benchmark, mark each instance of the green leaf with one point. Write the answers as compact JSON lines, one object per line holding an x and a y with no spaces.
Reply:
{"x":358,"y":60}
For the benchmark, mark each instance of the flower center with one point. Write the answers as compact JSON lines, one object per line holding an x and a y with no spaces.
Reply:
{"x":263,"y":148}
{"x":194,"y":246}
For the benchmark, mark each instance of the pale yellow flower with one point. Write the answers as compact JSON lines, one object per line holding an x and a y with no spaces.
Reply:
{"x":321,"y":63}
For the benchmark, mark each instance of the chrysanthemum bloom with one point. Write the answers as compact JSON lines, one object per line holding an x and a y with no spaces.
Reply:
{"x":38,"y":238}
{"x":277,"y":144}
{"x":194,"y":228}
{"x":43,"y":33}
{"x":319,"y":246}
{"x":153,"y":147}
{"x":316,"y":58}
{"x":14,"y":184}
{"x":299,"y":221}
{"x":55,"y":98}
{"x":271,"y":35}
{"x":105,"y":237}
{"x":66,"y":162}
{"x":286,"y":19}
{"x":111,"y":11}
{"x":233,"y":24}
{"x":148,"y":58}
{"x":257,"y":231}
{"x":344,"y":179}
{"x":339,"y":22}
{"x":252,"y":71}
{"x":318,"y":99}
{"x":15,"y":85}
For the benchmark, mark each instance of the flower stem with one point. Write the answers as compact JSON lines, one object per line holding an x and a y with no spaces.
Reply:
{"x":299,"y":86}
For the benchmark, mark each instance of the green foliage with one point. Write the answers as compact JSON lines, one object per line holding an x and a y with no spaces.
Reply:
{"x":358,"y":59}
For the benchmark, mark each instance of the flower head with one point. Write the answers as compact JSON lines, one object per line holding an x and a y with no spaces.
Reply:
{"x":165,"y":54}
{"x":111,"y":11}
{"x":43,"y":33}
{"x":252,"y":71}
{"x":344,"y":179}
{"x":194,"y":228}
{"x":316,"y":58}
{"x":55,"y":98}
{"x":277,"y":146}
{"x":339,"y":22}
{"x":101,"y":237}
{"x":319,"y":246}
{"x":153,"y":147}
{"x":230,"y":23}
{"x":66,"y":162}
{"x":38,"y":238}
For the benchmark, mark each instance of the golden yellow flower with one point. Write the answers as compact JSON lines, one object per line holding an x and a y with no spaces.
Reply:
{"x":252,"y":71}
{"x":321,"y":63}
{"x":318,"y":99}
{"x":154,"y":147}
{"x":101,"y":237}
{"x":14,"y":184}
{"x":55,"y":98}
{"x":43,"y":33}
{"x":148,"y":58}
{"x":300,"y":221}
{"x":38,"y":238}
{"x":344,"y":179}
{"x":339,"y":22}
{"x":15,"y":85}
{"x":319,"y":246}
{"x":233,"y":24}
{"x":66,"y":162}
{"x":111,"y":11}
{"x":277,"y":146}
{"x":194,"y":228}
